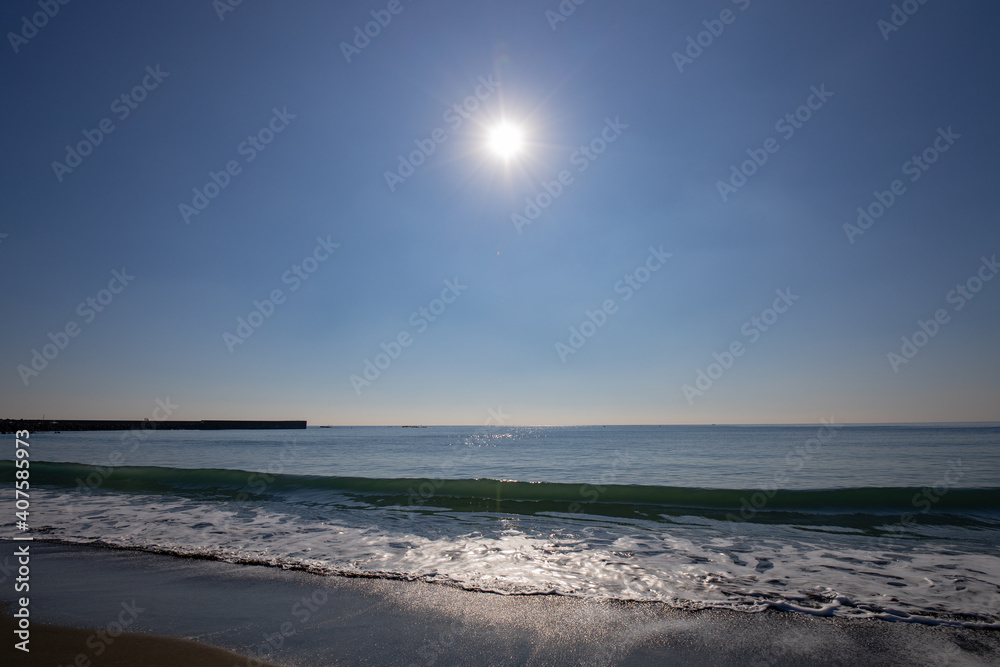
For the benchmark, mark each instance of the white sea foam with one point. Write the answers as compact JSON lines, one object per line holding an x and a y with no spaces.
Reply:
{"x":689,"y":565}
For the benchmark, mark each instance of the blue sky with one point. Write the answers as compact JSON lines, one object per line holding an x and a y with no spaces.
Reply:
{"x":321,"y":182}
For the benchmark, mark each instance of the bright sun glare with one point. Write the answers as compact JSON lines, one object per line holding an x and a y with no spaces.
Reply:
{"x":505,"y":140}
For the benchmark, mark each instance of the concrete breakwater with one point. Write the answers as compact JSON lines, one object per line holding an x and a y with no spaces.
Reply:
{"x":35,"y":425}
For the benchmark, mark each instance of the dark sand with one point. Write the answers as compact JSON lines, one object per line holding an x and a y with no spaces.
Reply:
{"x":313,"y":620}
{"x":52,"y":645}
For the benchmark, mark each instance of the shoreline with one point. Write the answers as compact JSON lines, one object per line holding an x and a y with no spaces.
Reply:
{"x":822,"y":612}
{"x":291,"y":618}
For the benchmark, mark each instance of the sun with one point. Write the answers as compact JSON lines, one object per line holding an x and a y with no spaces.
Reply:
{"x":506,"y":140}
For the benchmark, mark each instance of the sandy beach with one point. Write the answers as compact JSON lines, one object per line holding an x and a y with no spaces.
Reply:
{"x":55,"y":645}
{"x":268,"y":615}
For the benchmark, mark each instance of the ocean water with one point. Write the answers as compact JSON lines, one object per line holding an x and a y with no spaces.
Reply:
{"x":896,"y":522}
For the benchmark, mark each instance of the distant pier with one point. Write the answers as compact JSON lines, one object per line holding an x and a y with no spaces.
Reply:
{"x":36,"y":425}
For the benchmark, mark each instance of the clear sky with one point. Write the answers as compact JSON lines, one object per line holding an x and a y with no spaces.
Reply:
{"x":683,"y":187}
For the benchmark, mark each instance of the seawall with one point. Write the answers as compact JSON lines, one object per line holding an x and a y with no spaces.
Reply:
{"x":35,"y":425}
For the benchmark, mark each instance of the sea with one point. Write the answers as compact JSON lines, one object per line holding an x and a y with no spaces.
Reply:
{"x":894,"y":522}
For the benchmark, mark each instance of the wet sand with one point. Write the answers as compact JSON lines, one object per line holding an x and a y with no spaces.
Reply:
{"x":295,"y":618}
{"x":52,"y":645}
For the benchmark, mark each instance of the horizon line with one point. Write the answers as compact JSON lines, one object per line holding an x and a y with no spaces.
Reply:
{"x":428,"y":425}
